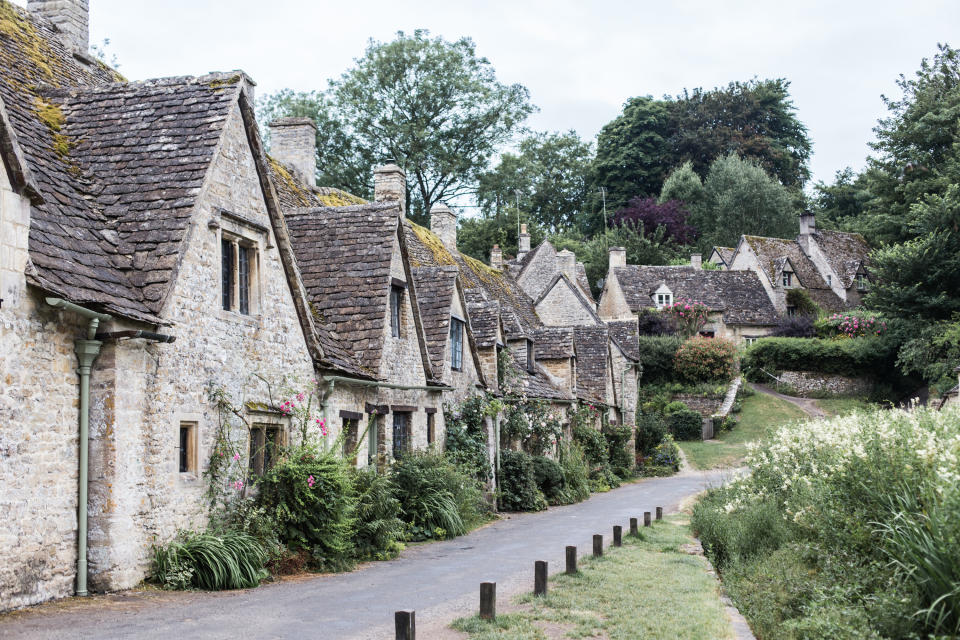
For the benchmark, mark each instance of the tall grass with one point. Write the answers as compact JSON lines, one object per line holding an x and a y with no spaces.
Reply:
{"x":230,"y":560}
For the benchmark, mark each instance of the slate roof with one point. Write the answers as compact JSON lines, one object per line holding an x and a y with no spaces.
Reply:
{"x":484,"y":319}
{"x":553,"y":343}
{"x":738,"y":295}
{"x":627,"y":336}
{"x":535,"y":383}
{"x":344,"y":256}
{"x":773,"y":253}
{"x":294,"y":195}
{"x":106,"y":159}
{"x":590,"y":346}
{"x":584,"y":282}
{"x":436,"y":287}
{"x":846,"y":253}
{"x":726,"y":254}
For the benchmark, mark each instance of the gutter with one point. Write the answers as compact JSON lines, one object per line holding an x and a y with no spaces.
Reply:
{"x":87,"y":351}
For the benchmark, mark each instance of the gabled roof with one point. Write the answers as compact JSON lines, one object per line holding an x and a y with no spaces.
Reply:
{"x":485,"y":321}
{"x":344,"y":256}
{"x":771,"y":254}
{"x":563,"y":280}
{"x":535,"y":383}
{"x":725,"y":254}
{"x":626,"y":334}
{"x":738,"y":295}
{"x":436,"y":287}
{"x":294,"y":195}
{"x":553,"y":343}
{"x":590,"y":346}
{"x":845,"y":252}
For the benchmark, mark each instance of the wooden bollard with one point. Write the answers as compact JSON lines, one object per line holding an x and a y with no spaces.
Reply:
{"x":571,"y":559}
{"x":633,"y":527}
{"x":597,"y":545}
{"x":617,"y":536}
{"x":659,"y":513}
{"x":488,"y":600}
{"x":646,"y":518}
{"x":406,"y":624}
{"x":540,"y":578}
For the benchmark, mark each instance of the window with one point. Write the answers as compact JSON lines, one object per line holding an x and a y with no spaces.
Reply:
{"x":791,"y":311}
{"x":401,"y":434}
{"x":430,"y":428}
{"x":238,"y":267}
{"x":396,"y":304}
{"x":664,"y":300}
{"x":861,"y":282}
{"x":531,"y":359}
{"x":749,"y":340}
{"x":264,"y":442}
{"x":787,"y":278}
{"x":456,"y":344}
{"x":829,"y":280}
{"x":187,"y":449}
{"x":350,"y":433}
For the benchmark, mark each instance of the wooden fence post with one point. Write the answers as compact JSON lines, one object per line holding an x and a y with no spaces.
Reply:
{"x":659,"y":513}
{"x":488,"y":600}
{"x":617,"y":536}
{"x":571,"y":559}
{"x":597,"y":545}
{"x":406,"y":625}
{"x":540,"y":578}
{"x":646,"y":518}
{"x":633,"y":527}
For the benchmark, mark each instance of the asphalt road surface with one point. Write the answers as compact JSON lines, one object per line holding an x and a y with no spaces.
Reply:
{"x":439,"y":580}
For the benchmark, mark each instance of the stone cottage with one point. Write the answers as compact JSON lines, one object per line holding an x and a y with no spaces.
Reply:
{"x":832,"y":267}
{"x":737,"y":301}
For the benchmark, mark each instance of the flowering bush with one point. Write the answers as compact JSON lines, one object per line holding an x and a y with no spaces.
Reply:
{"x":871,"y":503}
{"x":850,"y":325}
{"x":689,"y":316}
{"x":702,"y":359}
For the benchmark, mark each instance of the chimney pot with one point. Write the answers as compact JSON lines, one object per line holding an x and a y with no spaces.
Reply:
{"x":390,"y":185}
{"x":696,"y":260}
{"x":808,"y":223}
{"x":496,"y":257}
{"x":293,"y":142}
{"x":567,"y":261}
{"x":523,"y":244}
{"x":71,"y":17}
{"x":443,"y":222}
{"x":618,"y":257}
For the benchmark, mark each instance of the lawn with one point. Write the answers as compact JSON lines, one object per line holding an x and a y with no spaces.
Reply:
{"x":761,"y":413}
{"x":648,"y":588}
{"x":843,"y":406}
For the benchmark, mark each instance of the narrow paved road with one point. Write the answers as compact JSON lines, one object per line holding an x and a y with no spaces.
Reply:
{"x":440,"y":581}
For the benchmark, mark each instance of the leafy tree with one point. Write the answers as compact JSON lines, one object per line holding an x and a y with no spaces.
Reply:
{"x":671,"y":215}
{"x":476,"y":236}
{"x":839,"y":204}
{"x":740,"y":198}
{"x":434,"y":106}
{"x":684,"y":185}
{"x":341,"y":161}
{"x":548,"y":176}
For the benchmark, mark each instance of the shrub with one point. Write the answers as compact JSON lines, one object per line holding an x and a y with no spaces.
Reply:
{"x":667,"y":453}
{"x":702,"y":359}
{"x":310,"y":494}
{"x":437,"y":500}
{"x":653,"y":323}
{"x":843,"y":357}
{"x":466,"y":439}
{"x":853,"y":324}
{"x":549,"y":476}
{"x":518,"y":483}
{"x":593,"y":443}
{"x":674,"y":406}
{"x":657,"y":355}
{"x":689,"y":316}
{"x":686,"y":424}
{"x":621,"y":460}
{"x":800,"y":300}
{"x":576,"y":474}
{"x":651,"y":427}
{"x":794,"y":327}
{"x":379,"y":527}
{"x":227,"y":560}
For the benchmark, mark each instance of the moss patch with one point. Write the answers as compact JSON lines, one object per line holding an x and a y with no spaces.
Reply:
{"x":432,"y":242}
{"x":338,"y":198}
{"x":33,"y":49}
{"x":50,"y":114}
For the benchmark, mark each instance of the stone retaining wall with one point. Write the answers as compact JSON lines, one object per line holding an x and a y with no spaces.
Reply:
{"x":805,"y":383}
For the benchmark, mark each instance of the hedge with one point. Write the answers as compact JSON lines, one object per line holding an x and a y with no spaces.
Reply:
{"x":855,"y":357}
{"x":686,"y":424}
{"x":656,"y":355}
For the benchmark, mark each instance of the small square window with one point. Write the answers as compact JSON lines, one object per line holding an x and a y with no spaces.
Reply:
{"x":456,"y":344}
{"x":791,"y":311}
{"x":396,"y":305}
{"x":187,"y":447}
{"x":829,"y":280}
{"x":861,"y":282}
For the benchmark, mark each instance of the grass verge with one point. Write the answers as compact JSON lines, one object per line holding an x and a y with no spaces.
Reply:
{"x":760,"y":415}
{"x":648,"y":588}
{"x":843,"y":406}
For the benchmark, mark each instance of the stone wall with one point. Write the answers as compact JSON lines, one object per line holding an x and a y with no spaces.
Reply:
{"x":540,"y":271}
{"x":562,"y":308}
{"x":706,"y":406}
{"x":805,"y":383}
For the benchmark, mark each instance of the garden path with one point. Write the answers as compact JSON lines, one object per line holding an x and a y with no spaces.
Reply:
{"x":808,"y":405}
{"x":439,"y":580}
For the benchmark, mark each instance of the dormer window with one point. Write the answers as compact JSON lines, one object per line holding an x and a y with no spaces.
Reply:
{"x":787,"y":278}
{"x":861,"y":282}
{"x":456,"y":343}
{"x":663,"y":297}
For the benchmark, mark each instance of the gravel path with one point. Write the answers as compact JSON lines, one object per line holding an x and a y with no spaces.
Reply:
{"x":440,"y":581}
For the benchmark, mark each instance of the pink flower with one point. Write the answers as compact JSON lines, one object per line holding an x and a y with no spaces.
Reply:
{"x":238,"y":485}
{"x":301,"y":396}
{"x":311,"y":482}
{"x":236,"y":456}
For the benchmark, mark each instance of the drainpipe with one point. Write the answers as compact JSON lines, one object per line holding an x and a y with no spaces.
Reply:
{"x":87,"y":351}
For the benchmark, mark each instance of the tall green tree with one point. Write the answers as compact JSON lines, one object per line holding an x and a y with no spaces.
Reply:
{"x":684,"y":185}
{"x":839,"y":204}
{"x":547,"y":178}
{"x":434,"y":106}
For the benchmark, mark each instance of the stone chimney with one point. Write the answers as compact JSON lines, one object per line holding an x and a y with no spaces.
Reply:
{"x":390,"y":185}
{"x":443,"y":222}
{"x":293,"y":142}
{"x":496,"y":257}
{"x":808,"y":226}
{"x":696,"y":261}
{"x":618,"y":257}
{"x":567,"y":261}
{"x":71,"y":17}
{"x":523,"y":246}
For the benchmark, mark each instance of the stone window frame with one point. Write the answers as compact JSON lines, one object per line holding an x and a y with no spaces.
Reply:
{"x":531,"y":357}
{"x":191,"y":423}
{"x":404,"y":444}
{"x":829,"y":280}
{"x":243,"y":237}
{"x":265,"y":423}
{"x":350,"y":427}
{"x":749,"y":340}
{"x":663,"y":297}
{"x":431,"y":425}
{"x":457,"y":326}
{"x":787,"y":278}
{"x":397,"y":289}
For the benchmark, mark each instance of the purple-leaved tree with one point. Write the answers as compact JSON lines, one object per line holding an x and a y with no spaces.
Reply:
{"x":671,"y":215}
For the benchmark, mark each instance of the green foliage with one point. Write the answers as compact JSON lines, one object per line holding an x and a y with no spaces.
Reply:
{"x":466,"y":442}
{"x":532,"y":425}
{"x":666,"y":454}
{"x":518,"y":483}
{"x":549,"y":477}
{"x":379,"y":528}
{"x":593,"y":443}
{"x":702,"y":359}
{"x":685,"y":424}
{"x":651,"y":428}
{"x":800,"y":300}
{"x":621,"y":460}
{"x":862,"y":357}
{"x":437,"y":499}
{"x":933,"y":354}
{"x":684,"y":185}
{"x":657,"y":355}
{"x":576,"y":474}
{"x":311,"y":496}
{"x":839,"y":204}
{"x":228,"y":560}
{"x":476,"y":236}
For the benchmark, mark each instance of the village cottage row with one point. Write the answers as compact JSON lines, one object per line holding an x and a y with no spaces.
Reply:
{"x":153,"y":257}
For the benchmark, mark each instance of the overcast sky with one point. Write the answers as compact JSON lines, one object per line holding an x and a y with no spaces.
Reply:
{"x":580,"y":60}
